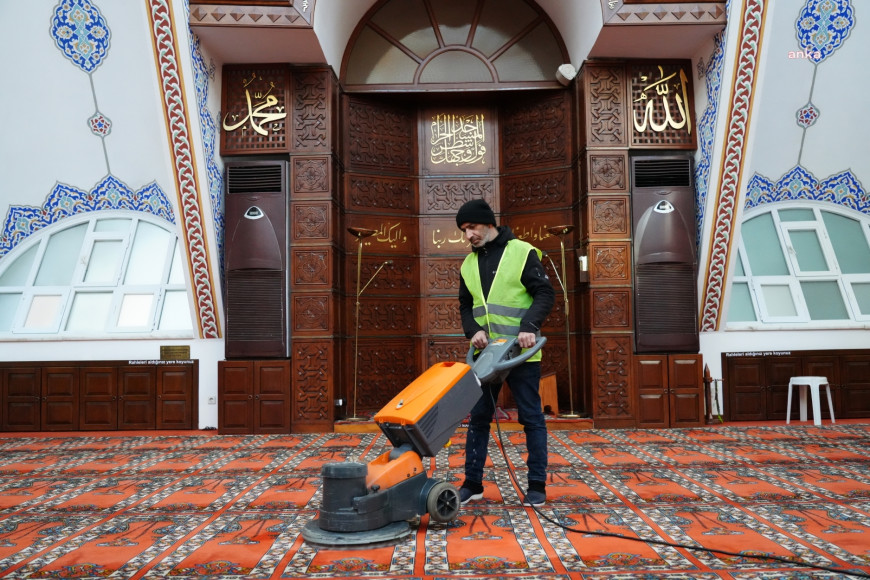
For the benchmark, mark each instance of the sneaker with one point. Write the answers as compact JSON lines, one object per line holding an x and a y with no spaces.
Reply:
{"x":466,"y":495}
{"x":535,"y":498}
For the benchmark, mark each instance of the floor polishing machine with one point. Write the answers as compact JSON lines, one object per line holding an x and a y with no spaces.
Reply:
{"x":373,"y":503}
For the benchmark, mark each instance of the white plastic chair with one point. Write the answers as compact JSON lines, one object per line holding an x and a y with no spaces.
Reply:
{"x":813,"y":384}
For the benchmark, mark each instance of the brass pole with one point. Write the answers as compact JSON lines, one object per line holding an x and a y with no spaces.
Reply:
{"x":561,"y":231}
{"x":359,"y":233}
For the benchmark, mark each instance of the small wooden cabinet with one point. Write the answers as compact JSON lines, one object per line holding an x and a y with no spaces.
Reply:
{"x":254,"y":396}
{"x":670,"y":390}
{"x":756,"y":383}
{"x":98,"y":395}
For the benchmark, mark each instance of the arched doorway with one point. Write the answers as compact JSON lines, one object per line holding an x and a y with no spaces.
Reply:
{"x":444,"y":102}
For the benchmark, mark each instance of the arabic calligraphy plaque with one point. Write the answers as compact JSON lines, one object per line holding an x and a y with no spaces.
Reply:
{"x":458,"y":141}
{"x":254,"y":109}
{"x":662,"y":105}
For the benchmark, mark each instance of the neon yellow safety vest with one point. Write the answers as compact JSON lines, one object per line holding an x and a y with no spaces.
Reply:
{"x":501,"y":312}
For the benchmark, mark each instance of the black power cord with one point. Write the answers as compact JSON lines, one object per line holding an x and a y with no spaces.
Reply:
{"x":768,"y":557}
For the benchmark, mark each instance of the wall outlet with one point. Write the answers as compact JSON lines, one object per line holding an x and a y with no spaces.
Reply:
{"x":212,"y":401}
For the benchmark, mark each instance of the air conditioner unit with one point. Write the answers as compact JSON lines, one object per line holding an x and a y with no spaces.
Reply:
{"x":256,"y":260}
{"x":665,"y":254}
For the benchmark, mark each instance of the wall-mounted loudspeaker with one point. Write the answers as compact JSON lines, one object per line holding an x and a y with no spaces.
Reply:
{"x":255,"y":260}
{"x":665,"y":254}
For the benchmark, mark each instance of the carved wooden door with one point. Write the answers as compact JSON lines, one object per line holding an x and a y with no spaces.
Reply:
{"x":175,"y":397}
{"x":137,"y":394}
{"x":60,"y":393}
{"x":98,"y":406}
{"x":21,"y":393}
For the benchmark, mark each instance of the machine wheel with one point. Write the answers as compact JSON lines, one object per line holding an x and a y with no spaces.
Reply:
{"x":442,"y":503}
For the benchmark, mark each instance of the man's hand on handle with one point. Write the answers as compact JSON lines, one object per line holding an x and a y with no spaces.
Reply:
{"x":526,"y":339}
{"x":479,"y":340}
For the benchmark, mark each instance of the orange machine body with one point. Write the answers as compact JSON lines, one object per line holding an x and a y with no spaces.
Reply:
{"x":384,"y":472}
{"x":427,"y":412}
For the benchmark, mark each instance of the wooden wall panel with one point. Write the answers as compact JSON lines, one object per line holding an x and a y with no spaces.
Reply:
{"x":440,"y":276}
{"x":540,"y":190}
{"x":399,"y":277}
{"x":379,"y":193}
{"x":445,"y":349}
{"x":613,"y":395}
{"x":607,"y":171}
{"x":609,"y":217}
{"x":536,"y":132}
{"x":312,"y":222}
{"x":313,"y":100}
{"x":609,"y":263}
{"x":60,"y":398}
{"x":386,"y":366}
{"x":441,"y":315}
{"x":606,"y":105}
{"x":311,"y":177}
{"x":532,"y":228}
{"x":610,"y":309}
{"x":446,"y":195}
{"x":314,"y":389}
{"x":312,"y":267}
{"x":314,"y":314}
{"x":385,"y":315}
{"x":378,"y":138}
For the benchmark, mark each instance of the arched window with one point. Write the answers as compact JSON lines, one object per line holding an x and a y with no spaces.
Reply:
{"x":96,"y":275}
{"x":431,"y":44}
{"x":801,"y":265}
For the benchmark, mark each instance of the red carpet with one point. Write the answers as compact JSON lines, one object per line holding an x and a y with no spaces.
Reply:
{"x":201,"y":505}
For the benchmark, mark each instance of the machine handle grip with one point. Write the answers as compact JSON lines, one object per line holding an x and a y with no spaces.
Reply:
{"x":518,"y":360}
{"x":510,"y":363}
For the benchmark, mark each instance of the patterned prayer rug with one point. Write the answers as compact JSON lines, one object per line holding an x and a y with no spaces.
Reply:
{"x":621,"y":504}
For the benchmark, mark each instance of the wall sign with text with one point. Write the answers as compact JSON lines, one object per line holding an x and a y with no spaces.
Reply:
{"x":661,"y":105}
{"x":458,"y":141}
{"x":254,"y":109}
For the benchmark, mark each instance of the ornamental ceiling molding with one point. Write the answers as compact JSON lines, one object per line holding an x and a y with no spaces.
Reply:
{"x":297,"y":14}
{"x":617,"y":12}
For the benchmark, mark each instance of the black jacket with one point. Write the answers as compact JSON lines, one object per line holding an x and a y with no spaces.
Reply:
{"x":534,"y":278}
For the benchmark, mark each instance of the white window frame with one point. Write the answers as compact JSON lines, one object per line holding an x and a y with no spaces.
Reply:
{"x":764,"y":315}
{"x":765,"y":321}
{"x":824,"y":242}
{"x":117,"y":289}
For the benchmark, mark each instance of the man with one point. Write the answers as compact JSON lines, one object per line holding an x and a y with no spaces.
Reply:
{"x":503,"y":291}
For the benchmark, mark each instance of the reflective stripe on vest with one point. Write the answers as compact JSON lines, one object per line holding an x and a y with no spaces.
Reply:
{"x":508,"y":301}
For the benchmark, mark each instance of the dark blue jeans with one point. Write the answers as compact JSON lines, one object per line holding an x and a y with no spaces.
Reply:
{"x":524,"y":382}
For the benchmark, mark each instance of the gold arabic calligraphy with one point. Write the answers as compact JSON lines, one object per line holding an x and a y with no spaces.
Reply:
{"x":662,"y":89}
{"x":257,"y":115}
{"x":439,"y":239}
{"x":458,"y":139}
{"x":531,"y":233}
{"x":388,"y":234}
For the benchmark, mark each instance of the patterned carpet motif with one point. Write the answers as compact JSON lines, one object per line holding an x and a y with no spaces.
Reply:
{"x":202,"y":506}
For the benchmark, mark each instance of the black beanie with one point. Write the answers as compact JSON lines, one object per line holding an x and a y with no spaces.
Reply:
{"x":476,"y":211}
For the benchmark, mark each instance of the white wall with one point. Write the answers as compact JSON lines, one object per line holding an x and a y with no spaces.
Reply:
{"x":836,"y":142}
